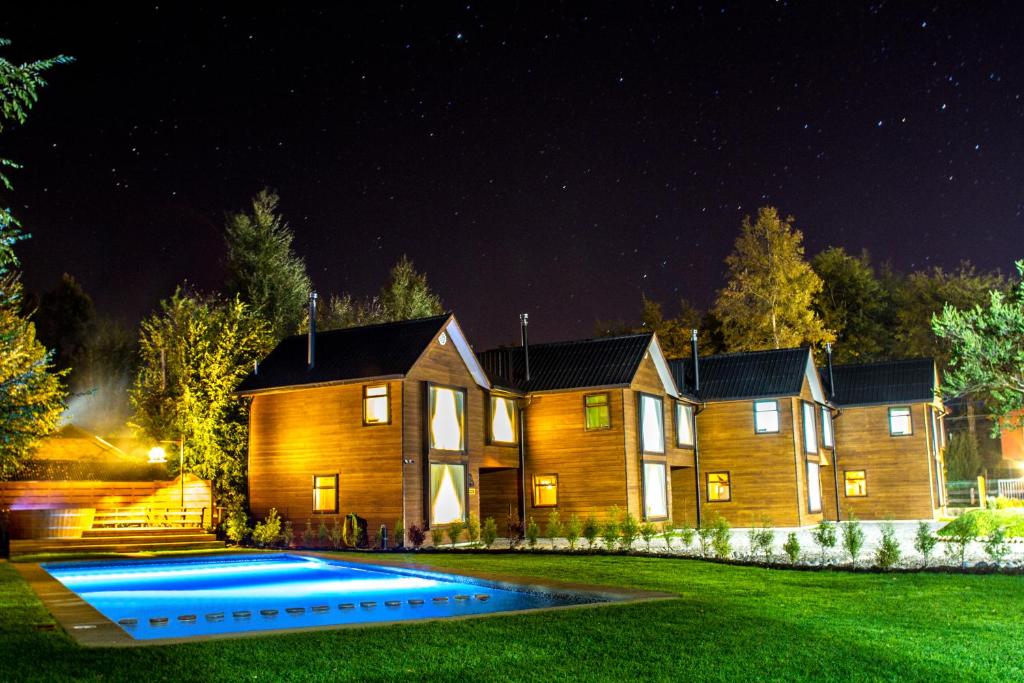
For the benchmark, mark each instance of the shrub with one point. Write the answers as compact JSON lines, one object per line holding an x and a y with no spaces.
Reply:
{"x":762,"y":541}
{"x":473,"y":529}
{"x":959,"y":534}
{"x":338,"y":533}
{"x":266,"y":532}
{"x":824,"y":536}
{"x":888,"y":553}
{"x":721,"y":538}
{"x":489,"y":533}
{"x":379,"y":538}
{"x":792,"y":547}
{"x":454,"y":531}
{"x":532,"y":533}
{"x":629,"y":529}
{"x":647,"y":532}
{"x":705,"y":533}
{"x":572,"y":531}
{"x":610,"y":534}
{"x":925,"y":542}
{"x":554,"y":527}
{"x":515,"y":528}
{"x":853,"y":538}
{"x":667,"y":532}
{"x":996,"y":546}
{"x":323,"y":533}
{"x":987,"y":521}
{"x":417,"y":536}
{"x":686,"y":534}
{"x":591,"y":530}
{"x":1003,"y":503}
{"x":237,"y":526}
{"x":287,"y":534}
{"x":399,"y":539}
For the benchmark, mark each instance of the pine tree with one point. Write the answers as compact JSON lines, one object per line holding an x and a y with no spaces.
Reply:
{"x":767,"y":302}
{"x":405,"y":296}
{"x":853,"y":304}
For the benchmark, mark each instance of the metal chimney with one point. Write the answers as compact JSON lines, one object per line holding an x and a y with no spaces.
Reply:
{"x":524,"y":320}
{"x":311,"y":346}
{"x":696,"y":362}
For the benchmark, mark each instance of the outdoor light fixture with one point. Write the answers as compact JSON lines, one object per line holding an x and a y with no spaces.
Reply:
{"x":157,"y":455}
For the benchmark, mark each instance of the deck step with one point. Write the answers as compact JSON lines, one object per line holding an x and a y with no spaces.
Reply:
{"x":109,"y":546}
{"x":141,"y":531}
{"x":140,"y":538}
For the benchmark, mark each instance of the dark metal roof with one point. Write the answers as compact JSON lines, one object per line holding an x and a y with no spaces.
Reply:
{"x":897,"y":381}
{"x":733,"y":376}
{"x":353,"y":353}
{"x":568,"y":365}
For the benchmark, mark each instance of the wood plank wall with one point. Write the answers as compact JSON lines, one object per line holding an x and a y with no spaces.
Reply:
{"x":41,"y":495}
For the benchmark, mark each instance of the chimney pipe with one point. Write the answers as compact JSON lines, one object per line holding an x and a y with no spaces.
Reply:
{"x":311,"y":346}
{"x":831,"y":379}
{"x":524,"y":320}
{"x":696,"y":362}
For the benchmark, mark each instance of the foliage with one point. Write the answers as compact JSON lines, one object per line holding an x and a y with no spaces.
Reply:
{"x":721,"y":538}
{"x":854,"y":304}
{"x":573,"y":529}
{"x":925,"y":542}
{"x":101,"y":376}
{"x":767,"y":301}
{"x":762,"y":540}
{"x":322,"y":532}
{"x":379,"y":540}
{"x":473,"y":529}
{"x":309,"y":535}
{"x":987,"y":351}
{"x":629,"y":529}
{"x":610,"y":530}
{"x":337,"y":534}
{"x":554,"y":527}
{"x":262,"y":267}
{"x":514,"y":528}
{"x":962,"y":458}
{"x":792,"y":547}
{"x":668,"y":532}
{"x":852,"y":538}
{"x":532,"y":533}
{"x":647,"y":532}
{"x":399,"y":532}
{"x":706,"y":534}
{"x":406,"y":295}
{"x":454,"y":531}
{"x":266,"y":533}
{"x":65,"y":319}
{"x":489,"y":532}
{"x":287,"y":534}
{"x":824,"y":536}
{"x":237,"y":526}
{"x":1004,"y":503}
{"x":194,"y":353}
{"x":686,"y":534}
{"x":888,"y":553}
{"x":996,"y":546}
{"x":416,"y":536}
{"x":959,"y":534}
{"x":984,"y":522}
{"x":591,"y":530}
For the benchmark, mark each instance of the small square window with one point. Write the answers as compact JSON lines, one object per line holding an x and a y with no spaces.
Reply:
{"x":719,"y":487}
{"x":325,"y":494}
{"x":684,"y":425}
{"x":766,"y":417}
{"x":376,"y":410}
{"x":598,"y":413}
{"x":545,"y":490}
{"x":899,"y":422}
{"x":856,"y":483}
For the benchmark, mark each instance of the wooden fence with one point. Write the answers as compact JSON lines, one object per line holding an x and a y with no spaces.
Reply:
{"x":105,"y":495}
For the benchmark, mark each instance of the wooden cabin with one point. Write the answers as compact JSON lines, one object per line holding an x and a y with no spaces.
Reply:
{"x":764,"y":435}
{"x":604,"y":425}
{"x":891,"y":438}
{"x":384,"y":421}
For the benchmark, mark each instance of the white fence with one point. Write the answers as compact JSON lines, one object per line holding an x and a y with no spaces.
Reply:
{"x":1010,"y":488}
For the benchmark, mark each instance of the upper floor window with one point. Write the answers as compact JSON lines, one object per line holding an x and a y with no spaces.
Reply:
{"x":652,"y":424}
{"x":810,"y":430}
{"x":376,"y":409}
{"x":899,"y":421}
{"x":766,"y":417}
{"x":598,"y":411}
{"x":826,"y":428}
{"x":446,"y":410}
{"x":503,"y":420}
{"x":684,"y":424}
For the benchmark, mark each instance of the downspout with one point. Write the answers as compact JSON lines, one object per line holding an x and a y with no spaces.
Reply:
{"x":697,"y":411}
{"x":835,"y":441}
{"x":524,"y":321}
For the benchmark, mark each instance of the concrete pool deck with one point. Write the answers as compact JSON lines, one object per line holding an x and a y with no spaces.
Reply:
{"x":89,"y":628}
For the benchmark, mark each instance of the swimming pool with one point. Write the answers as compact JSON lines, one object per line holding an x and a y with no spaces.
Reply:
{"x":180,"y":598}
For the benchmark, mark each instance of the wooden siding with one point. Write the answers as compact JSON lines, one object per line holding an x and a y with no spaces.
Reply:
{"x":499,"y":492}
{"x":42,"y":495}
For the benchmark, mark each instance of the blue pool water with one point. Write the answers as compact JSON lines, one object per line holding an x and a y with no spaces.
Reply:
{"x":189,"y":597}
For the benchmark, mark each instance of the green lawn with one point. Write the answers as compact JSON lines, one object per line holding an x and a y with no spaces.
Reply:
{"x":729,"y":623}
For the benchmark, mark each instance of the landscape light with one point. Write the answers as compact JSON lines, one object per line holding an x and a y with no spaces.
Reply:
{"x":157,"y":455}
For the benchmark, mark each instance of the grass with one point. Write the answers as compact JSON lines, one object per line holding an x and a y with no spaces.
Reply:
{"x":729,"y":623}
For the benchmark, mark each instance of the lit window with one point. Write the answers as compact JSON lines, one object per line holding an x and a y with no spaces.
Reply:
{"x":856,"y":483}
{"x":810,"y":431}
{"x":813,"y":486}
{"x":766,"y":416}
{"x":503,"y":420}
{"x":545,"y":490}
{"x":899,"y":422}
{"x":375,"y":405}
{"x":447,"y":493}
{"x":325,"y":494}
{"x":598,"y":412}
{"x":684,"y":425}
{"x":826,"y":427}
{"x":652,"y":425}
{"x":719,"y":488}
{"x":655,"y":491}
{"x":447,"y":411}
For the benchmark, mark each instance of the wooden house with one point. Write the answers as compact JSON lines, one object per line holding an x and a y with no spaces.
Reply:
{"x":384,"y":421}
{"x":891,"y":438}
{"x":765,"y":439}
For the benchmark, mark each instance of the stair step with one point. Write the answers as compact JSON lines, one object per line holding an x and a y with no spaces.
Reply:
{"x":22,"y":547}
{"x":142,"y":531}
{"x":144,"y":538}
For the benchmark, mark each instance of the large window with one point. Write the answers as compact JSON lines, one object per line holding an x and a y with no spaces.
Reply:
{"x":447,"y":415}
{"x":684,"y":425}
{"x":598,"y":412}
{"x":813,"y":486}
{"x":652,"y":424}
{"x":325,"y":494}
{"x":376,"y":410}
{"x":856,"y":482}
{"x":826,"y":428}
{"x":899,"y":422}
{"x":503,"y":420}
{"x":447,"y":493}
{"x":766,"y":417}
{"x":810,"y":431}
{"x":719,"y":487}
{"x":655,"y":491}
{"x":545,"y":490}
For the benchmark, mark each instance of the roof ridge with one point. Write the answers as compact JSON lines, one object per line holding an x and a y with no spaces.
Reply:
{"x":372,"y":326}
{"x":566,"y":342}
{"x":760,"y":352}
{"x":892,"y":361}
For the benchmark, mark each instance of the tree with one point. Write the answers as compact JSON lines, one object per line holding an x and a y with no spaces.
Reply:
{"x":962,"y":459}
{"x":263,"y":269}
{"x":194,"y":352}
{"x":853,"y":304}
{"x":987,"y":352}
{"x":673,"y":333}
{"x":103,"y":373}
{"x":405,"y":296}
{"x":767,"y":302}
{"x":65,"y":319}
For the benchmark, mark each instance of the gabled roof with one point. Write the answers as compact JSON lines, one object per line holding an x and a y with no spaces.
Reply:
{"x":911,"y":380}
{"x":356,"y":353}
{"x":753,"y":374}
{"x":580,"y":364}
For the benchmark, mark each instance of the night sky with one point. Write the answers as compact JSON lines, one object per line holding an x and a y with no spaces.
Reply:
{"x":557,"y":159}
